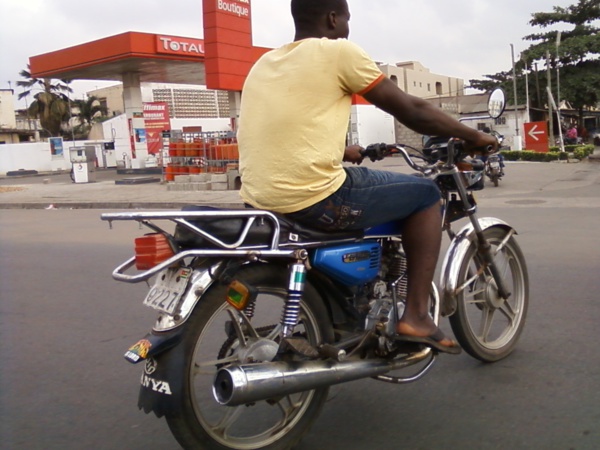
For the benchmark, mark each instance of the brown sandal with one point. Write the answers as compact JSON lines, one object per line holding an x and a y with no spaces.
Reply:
{"x":433,"y":340}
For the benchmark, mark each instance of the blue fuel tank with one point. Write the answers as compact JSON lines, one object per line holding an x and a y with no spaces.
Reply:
{"x":351,"y":264}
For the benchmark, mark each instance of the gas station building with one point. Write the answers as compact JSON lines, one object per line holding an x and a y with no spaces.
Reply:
{"x":220,"y":61}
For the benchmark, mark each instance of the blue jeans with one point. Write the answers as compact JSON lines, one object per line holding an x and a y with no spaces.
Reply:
{"x":368,"y":198}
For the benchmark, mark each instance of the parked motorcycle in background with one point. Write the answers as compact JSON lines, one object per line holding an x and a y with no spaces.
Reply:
{"x":258,"y":316}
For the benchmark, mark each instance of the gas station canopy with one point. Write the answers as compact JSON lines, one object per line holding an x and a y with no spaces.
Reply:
{"x":155,"y":58}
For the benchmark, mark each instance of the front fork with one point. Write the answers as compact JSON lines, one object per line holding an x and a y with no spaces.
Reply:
{"x":484,"y":249}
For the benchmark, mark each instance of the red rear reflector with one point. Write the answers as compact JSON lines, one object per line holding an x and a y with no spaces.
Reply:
{"x":150,"y":250}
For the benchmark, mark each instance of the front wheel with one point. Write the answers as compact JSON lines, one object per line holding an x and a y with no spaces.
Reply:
{"x":217,"y":335}
{"x":486,"y":325}
{"x":495,"y":180}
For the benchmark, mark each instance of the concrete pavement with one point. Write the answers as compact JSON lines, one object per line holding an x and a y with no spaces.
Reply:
{"x":57,"y":191}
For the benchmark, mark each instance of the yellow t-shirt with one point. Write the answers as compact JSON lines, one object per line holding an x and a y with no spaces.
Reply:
{"x":294,"y":117}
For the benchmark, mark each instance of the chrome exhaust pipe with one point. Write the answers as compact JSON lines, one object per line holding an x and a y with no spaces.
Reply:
{"x":241,"y":384}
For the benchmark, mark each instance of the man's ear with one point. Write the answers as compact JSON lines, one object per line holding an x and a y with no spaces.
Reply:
{"x":331,"y":20}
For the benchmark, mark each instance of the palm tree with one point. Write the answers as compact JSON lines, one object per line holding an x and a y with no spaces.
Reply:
{"x":50,"y":105}
{"x":88,"y":110}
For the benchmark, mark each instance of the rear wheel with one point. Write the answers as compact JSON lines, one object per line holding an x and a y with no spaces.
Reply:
{"x":486,"y":325}
{"x":213,"y":340}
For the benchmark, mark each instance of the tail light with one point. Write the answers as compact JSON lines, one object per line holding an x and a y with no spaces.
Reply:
{"x":151,"y":250}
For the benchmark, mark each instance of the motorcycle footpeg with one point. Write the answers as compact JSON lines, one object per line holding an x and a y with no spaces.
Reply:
{"x":329,"y":351}
{"x":300,"y":346}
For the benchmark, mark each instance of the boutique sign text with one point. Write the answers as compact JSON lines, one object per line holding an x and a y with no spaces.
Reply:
{"x":240,"y":8}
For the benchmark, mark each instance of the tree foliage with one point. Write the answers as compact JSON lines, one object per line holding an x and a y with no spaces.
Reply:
{"x":87,"y":112}
{"x":576,"y":56}
{"x":51,"y":103}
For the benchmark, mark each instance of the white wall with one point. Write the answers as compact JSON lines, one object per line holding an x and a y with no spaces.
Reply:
{"x":506,"y":126}
{"x":117,"y":130}
{"x":7,"y":109}
{"x":32,"y":156}
{"x":37,"y":156}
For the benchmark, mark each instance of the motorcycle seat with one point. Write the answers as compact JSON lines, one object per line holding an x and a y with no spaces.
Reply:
{"x":228,"y":230}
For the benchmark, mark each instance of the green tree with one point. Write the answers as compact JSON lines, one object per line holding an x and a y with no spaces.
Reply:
{"x":89,"y":110}
{"x":50,"y":104}
{"x":577,"y":57}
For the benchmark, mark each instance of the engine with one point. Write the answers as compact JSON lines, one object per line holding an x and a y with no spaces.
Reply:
{"x":389,"y":287}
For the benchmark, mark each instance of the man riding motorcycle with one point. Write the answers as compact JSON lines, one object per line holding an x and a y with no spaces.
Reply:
{"x":294,"y":114}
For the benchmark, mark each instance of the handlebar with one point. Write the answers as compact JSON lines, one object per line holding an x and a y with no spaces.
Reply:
{"x":449,"y":151}
{"x":376,"y":152}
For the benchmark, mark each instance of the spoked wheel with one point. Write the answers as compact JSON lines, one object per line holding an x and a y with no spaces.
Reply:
{"x":218,"y":335}
{"x":486,"y":325}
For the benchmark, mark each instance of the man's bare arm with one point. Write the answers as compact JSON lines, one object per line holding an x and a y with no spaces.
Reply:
{"x":422,"y":117}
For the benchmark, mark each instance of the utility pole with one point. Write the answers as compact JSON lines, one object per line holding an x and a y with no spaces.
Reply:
{"x":551,"y":119}
{"x":537,"y":86}
{"x":517,"y":143}
{"x":558,"y":70}
{"x":528,"y":116}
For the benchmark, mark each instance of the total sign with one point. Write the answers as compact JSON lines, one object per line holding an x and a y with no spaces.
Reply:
{"x":179,"y":46}
{"x":536,"y":136}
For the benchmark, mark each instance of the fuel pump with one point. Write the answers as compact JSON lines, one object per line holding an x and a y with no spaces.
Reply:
{"x":83,"y":160}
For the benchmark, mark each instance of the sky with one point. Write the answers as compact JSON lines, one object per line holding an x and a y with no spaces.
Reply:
{"x":459,"y":38}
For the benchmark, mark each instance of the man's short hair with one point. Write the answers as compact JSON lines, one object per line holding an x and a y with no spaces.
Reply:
{"x":307,"y":12}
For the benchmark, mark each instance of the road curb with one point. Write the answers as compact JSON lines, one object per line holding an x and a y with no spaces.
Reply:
{"x":117,"y":205}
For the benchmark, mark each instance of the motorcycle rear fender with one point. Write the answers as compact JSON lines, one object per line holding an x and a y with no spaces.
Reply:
{"x":201,"y":279}
{"x":161,"y":383}
{"x":454,"y":257}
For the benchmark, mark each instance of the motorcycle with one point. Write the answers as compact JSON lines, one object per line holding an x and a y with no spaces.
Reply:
{"x":258,"y":315}
{"x":493,"y":163}
{"x":493,"y":169}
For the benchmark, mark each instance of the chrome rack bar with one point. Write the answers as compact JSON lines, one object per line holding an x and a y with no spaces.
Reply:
{"x":182,"y":217}
{"x":119,"y":273}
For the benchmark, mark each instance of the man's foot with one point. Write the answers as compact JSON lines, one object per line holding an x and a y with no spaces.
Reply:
{"x":436,"y":340}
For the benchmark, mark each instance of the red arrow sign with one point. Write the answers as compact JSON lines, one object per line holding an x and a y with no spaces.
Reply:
{"x":536,"y":136}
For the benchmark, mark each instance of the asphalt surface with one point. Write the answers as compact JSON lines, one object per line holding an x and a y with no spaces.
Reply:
{"x":58,"y":191}
{"x":65,"y":324}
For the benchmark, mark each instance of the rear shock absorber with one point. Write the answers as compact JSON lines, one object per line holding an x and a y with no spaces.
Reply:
{"x":291,"y":310}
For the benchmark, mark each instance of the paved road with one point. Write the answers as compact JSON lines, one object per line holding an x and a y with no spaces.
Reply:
{"x":64,"y":325}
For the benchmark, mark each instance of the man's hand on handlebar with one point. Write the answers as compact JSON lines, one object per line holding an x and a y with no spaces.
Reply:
{"x":484,"y":144}
{"x":353,"y":154}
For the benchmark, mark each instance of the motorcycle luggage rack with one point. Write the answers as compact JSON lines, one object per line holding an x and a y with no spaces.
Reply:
{"x":220,"y":249}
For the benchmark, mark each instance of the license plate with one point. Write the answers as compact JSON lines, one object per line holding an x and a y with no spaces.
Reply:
{"x":167,"y":290}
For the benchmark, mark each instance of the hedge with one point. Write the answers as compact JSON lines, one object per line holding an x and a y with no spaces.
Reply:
{"x":579,"y":151}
